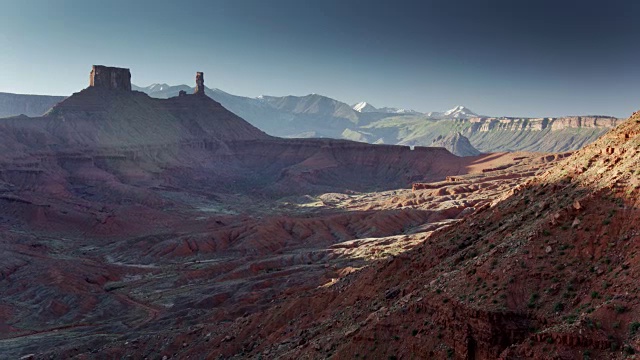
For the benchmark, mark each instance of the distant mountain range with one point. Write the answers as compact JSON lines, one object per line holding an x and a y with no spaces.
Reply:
{"x":309,"y":104}
{"x":319,"y":116}
{"x":30,"y":105}
{"x":366,"y":107}
{"x":315,"y":115}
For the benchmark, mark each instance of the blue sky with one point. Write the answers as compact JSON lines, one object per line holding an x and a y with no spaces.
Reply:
{"x":497,"y":57}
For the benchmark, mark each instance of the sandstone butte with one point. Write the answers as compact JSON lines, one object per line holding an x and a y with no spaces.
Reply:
{"x":171,"y":228}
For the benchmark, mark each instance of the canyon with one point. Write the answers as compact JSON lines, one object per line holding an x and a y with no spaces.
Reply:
{"x":173,"y":228}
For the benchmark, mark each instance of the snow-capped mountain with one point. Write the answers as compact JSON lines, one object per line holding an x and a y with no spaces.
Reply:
{"x":459,"y":112}
{"x":162,"y":90}
{"x":157,"y":87}
{"x":392,"y":110}
{"x":364,"y":107}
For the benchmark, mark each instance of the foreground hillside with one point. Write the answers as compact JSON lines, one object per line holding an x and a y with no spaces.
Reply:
{"x":547,"y":272}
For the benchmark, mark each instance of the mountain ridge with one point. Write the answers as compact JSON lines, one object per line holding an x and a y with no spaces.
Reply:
{"x":457,"y":143}
{"x":486,"y":133}
{"x":315,"y":115}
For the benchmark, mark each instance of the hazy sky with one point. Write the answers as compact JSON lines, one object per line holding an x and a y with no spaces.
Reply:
{"x":507,"y":57}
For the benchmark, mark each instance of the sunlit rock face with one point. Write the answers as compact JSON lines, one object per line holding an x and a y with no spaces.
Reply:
{"x":110,"y":78}
{"x":199,"y":84}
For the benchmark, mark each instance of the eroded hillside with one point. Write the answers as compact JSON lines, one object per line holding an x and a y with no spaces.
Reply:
{"x":125,"y":217}
{"x":548,"y":271}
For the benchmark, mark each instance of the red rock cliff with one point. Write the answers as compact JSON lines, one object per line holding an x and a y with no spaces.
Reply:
{"x":110,"y":78}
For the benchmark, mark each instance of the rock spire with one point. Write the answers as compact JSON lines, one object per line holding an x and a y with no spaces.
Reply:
{"x":199,"y":83}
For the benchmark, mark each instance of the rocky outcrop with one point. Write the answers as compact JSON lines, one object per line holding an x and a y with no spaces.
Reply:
{"x":484,"y":124}
{"x":110,"y":78}
{"x":457,"y":143}
{"x":199,"y":84}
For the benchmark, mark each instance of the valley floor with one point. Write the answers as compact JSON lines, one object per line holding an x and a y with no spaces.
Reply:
{"x":215,"y":259}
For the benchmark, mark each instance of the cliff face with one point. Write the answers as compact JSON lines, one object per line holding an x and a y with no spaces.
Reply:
{"x":484,"y":124}
{"x":489,"y":134}
{"x":110,"y":78}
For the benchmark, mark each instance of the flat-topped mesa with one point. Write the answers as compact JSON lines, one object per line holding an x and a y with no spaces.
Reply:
{"x":110,"y":78}
{"x":199,"y":84}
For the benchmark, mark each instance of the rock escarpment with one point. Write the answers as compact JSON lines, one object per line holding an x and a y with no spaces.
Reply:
{"x":484,"y":124}
{"x":110,"y":78}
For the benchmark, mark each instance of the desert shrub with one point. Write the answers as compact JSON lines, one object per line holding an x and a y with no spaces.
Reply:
{"x":558,"y":307}
{"x":620,"y":309}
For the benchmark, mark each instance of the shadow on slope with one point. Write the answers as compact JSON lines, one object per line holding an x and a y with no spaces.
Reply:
{"x":549,"y":272}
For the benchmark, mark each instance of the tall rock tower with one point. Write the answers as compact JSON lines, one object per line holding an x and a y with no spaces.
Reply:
{"x":110,"y":78}
{"x":199,"y":84}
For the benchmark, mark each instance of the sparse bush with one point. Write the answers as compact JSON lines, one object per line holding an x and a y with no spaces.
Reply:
{"x":620,"y":309}
{"x":571,"y":318}
{"x":558,"y":307}
{"x":450,"y":353}
{"x":589,"y":322}
{"x":629,"y":350}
